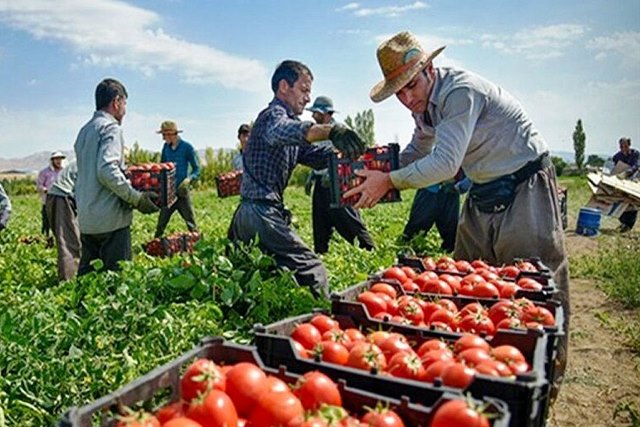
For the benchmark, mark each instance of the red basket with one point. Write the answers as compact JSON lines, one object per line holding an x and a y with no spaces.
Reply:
{"x":171,"y":245}
{"x":157,"y":177}
{"x":228,"y":183}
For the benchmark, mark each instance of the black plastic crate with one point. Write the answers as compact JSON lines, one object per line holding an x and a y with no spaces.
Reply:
{"x":228,"y":184}
{"x":171,"y":245}
{"x":167,"y":379}
{"x":527,"y":396}
{"x":343,"y":178}
{"x":157,"y":177}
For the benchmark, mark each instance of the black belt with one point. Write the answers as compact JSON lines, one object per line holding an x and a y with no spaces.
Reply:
{"x":530,"y":169}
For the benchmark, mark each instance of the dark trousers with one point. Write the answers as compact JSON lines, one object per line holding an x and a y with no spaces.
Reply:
{"x":45,"y":221}
{"x":110,"y":248}
{"x":271,"y":224}
{"x":63,"y":217}
{"x":428,"y":208}
{"x":184,"y":207}
{"x":346,"y":221}
{"x":629,"y":218}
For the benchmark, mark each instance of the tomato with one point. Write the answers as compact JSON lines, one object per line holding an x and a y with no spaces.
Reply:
{"x":382,"y":418}
{"x":510,"y":271}
{"x":435,"y":369}
{"x":277,"y":409}
{"x":337,"y":335}
{"x":182,"y":422}
{"x":332,"y":352}
{"x":436,"y":286}
{"x":488,"y":274}
{"x":473,"y":308}
{"x":508,"y":290}
{"x":409,"y":272}
{"x":457,"y":375}
{"x":410,"y":286}
{"x":215,"y":410}
{"x":324,"y":323}
{"x":170,"y":411}
{"x":428,"y":263}
{"x":440,"y":326}
{"x":300,"y":350}
{"x":473,"y":356}
{"x":445,"y":316}
{"x":464,"y":266}
{"x":395,"y":273}
{"x":384,"y":288}
{"x":477,"y":324}
{"x":373,"y":303}
{"x":485,"y":290}
{"x":510,"y":323}
{"x":494,"y":368}
{"x":391,"y":304}
{"x":201,"y":376}
{"x":432,"y":344}
{"x":393,"y":344}
{"x":315,"y":389}
{"x":519,"y":367}
{"x":505,"y":309}
{"x":538,"y":314}
{"x":470,"y":341}
{"x":529,"y":284}
{"x":367,"y":357}
{"x":245,"y":384}
{"x":275,"y":384}
{"x":478,"y":263}
{"x":411,"y":310}
{"x":139,"y":419}
{"x":448,"y":304}
{"x":508,"y":354}
{"x":354,"y":335}
{"x":452,"y":281}
{"x":378,"y":337}
{"x":457,"y":413}
{"x":432,"y":356}
{"x":526,"y":266}
{"x":307,"y":335}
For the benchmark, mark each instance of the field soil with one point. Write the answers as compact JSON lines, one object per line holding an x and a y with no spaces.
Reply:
{"x":602,"y":372}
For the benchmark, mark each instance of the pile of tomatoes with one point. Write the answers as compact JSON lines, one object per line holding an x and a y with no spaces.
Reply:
{"x":229,"y":183}
{"x":148,"y":177}
{"x":172,"y":244}
{"x":508,"y":271}
{"x":391,"y":353}
{"x":242,"y":394}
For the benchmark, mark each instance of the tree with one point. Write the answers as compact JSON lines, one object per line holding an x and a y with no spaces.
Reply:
{"x":595,"y":160}
{"x":138,"y":155}
{"x":579,"y":139}
{"x":363,"y":124}
{"x":559,"y":164}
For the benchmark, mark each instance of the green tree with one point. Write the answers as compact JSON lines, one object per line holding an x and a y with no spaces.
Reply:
{"x":138,"y":155}
{"x":559,"y":163}
{"x":595,"y":160}
{"x":215,"y":162}
{"x":579,"y":139}
{"x":363,"y":124}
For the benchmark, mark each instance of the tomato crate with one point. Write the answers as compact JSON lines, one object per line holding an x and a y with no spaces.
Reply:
{"x":161,"y":386}
{"x":157,"y":177}
{"x":229,"y":183}
{"x":527,"y":396}
{"x":173,"y":244}
{"x":342,"y":175}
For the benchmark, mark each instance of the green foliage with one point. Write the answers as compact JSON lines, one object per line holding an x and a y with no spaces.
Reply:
{"x":19,"y":186}
{"x":138,"y":155}
{"x":215,"y":162}
{"x":364,"y":125}
{"x":595,"y":160}
{"x":579,"y":140}
{"x":559,"y":163}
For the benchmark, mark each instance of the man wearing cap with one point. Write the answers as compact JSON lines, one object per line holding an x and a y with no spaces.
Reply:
{"x":63,"y":218}
{"x":104,"y":196}
{"x":279,"y":140}
{"x":44,"y":182}
{"x":464,"y":120}
{"x":346,"y":220}
{"x":631,"y":157}
{"x":181,"y":153}
{"x":5,"y":208}
{"x":243,"y":136}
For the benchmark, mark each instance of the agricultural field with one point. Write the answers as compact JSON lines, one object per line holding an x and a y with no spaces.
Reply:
{"x":68,"y":344}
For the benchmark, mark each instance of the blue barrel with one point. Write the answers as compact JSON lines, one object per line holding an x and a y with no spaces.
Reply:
{"x":588,"y":222}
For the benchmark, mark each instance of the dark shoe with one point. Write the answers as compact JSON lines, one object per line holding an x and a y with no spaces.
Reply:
{"x":624,"y":228}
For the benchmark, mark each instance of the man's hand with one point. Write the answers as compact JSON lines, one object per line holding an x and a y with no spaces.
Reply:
{"x":183,"y":188}
{"x":375,"y":186}
{"x":146,"y":205}
{"x":347,"y":141}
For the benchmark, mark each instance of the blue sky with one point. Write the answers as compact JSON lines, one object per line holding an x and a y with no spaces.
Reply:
{"x":207,"y":64}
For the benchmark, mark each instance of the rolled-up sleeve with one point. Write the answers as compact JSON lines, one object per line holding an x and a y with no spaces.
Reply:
{"x":108,"y":166}
{"x":460,"y":111}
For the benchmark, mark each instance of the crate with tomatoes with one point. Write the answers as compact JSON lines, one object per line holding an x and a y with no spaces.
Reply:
{"x":343,"y":178}
{"x":396,"y":359}
{"x":225,"y":384}
{"x":173,"y":244}
{"x":229,"y":183}
{"x":157,"y":177}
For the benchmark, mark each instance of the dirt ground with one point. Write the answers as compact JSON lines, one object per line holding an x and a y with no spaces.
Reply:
{"x":602,"y":373}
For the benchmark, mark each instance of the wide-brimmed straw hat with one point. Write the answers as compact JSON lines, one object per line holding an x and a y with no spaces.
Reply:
{"x":168,"y":126}
{"x":400,"y":58}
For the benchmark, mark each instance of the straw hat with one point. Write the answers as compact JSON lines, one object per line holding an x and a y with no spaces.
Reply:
{"x":400,"y":58}
{"x":168,"y":127}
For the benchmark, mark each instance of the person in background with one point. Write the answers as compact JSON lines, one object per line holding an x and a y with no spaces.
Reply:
{"x":437,"y":204}
{"x":243,"y":136}
{"x":346,"y":220}
{"x":629,"y":156}
{"x":63,"y":218}
{"x":465,"y":121}
{"x":182,"y":154}
{"x":279,"y":141}
{"x":5,"y":208}
{"x":104,"y":196}
{"x":43,"y":183}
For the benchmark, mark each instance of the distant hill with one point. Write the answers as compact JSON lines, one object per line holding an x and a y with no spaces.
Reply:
{"x":31,"y":163}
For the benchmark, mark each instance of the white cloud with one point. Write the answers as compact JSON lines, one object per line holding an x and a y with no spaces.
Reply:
{"x":391,"y":11}
{"x":622,"y":44}
{"x":110,"y":33}
{"x":544,"y":42}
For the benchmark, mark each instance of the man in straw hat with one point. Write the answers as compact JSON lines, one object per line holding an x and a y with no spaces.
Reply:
{"x":104,"y":196}
{"x":182,"y":154}
{"x":279,"y":140}
{"x":45,"y":179}
{"x":463,"y":120}
{"x":346,"y":220}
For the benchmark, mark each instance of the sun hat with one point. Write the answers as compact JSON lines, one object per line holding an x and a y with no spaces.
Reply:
{"x":322,"y":104}
{"x":57,"y":155}
{"x":401,"y":57}
{"x":168,"y":126}
{"x":244,"y":128}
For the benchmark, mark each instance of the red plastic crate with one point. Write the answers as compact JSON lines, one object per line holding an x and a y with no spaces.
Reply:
{"x":157,"y":177}
{"x":343,"y":178}
{"x":171,"y":245}
{"x":229,"y":183}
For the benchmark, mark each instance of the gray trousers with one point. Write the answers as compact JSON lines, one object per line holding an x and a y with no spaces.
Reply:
{"x":530,"y":227}
{"x":110,"y":248}
{"x":271,"y":224}
{"x":63,"y":219}
{"x":184,"y":207}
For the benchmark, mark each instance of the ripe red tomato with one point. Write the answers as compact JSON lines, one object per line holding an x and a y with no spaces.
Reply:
{"x":477,"y":324}
{"x":510,"y":271}
{"x":374,"y":303}
{"x":457,"y":375}
{"x":307,"y":335}
{"x":215,"y":410}
{"x":430,"y":357}
{"x":300,"y":350}
{"x":410,"y":286}
{"x":245,"y":383}
{"x":277,"y":409}
{"x":470,"y":341}
{"x":485,"y":290}
{"x":445,"y":316}
{"x":508,"y":354}
{"x":473,"y":308}
{"x":435,"y":369}
{"x":139,"y":419}
{"x":409,"y":272}
{"x":538,"y":314}
{"x":411,"y":310}
{"x":384,"y":288}
{"x":182,"y":422}
{"x":473,"y":356}
{"x":170,"y":411}
{"x":382,"y":418}
{"x":428,"y":263}
{"x":367,"y":356}
{"x":315,"y":389}
{"x":333,"y":352}
{"x":530,"y":284}
{"x":393,"y":344}
{"x":275,"y":384}
{"x":478,"y":263}
{"x":391,"y":303}
{"x":457,"y":413}
{"x":464,"y":266}
{"x":508,"y":289}
{"x":504,"y":309}
{"x":324,"y":323}
{"x":432,"y":344}
{"x":201,"y":376}
{"x":355,"y":335}
{"x":436,"y":286}
{"x":395,"y":273}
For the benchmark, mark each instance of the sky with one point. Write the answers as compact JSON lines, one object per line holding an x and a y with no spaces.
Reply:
{"x":207,"y":64}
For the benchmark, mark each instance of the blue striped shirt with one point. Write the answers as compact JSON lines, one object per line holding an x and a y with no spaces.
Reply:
{"x":277,"y":143}
{"x":183,"y":156}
